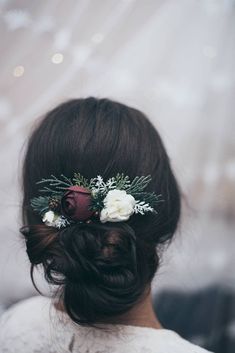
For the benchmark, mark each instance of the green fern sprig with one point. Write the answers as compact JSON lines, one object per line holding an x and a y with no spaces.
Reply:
{"x":148,"y":197}
{"x":57,"y":186}
{"x":138,"y":184}
{"x":54,"y":181}
{"x":122,"y":182}
{"x":40,"y":204}
{"x":79,"y":180}
{"x":52,"y":191}
{"x":97,"y":202}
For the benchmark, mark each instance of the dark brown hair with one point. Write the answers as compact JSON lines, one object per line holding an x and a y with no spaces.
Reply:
{"x":102,"y":270}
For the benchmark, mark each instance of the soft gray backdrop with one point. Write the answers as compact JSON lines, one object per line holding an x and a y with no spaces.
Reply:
{"x":174,"y":59}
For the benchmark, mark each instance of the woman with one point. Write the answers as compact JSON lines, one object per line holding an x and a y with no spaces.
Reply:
{"x":100,"y":202}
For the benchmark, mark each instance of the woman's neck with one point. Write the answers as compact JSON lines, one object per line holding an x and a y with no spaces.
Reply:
{"x":142,"y":314}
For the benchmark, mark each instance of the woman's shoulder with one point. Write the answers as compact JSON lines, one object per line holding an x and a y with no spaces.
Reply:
{"x":28,"y":311}
{"x":29,"y":326}
{"x":143,"y":340}
{"x":173,"y":342}
{"x":25,"y":325}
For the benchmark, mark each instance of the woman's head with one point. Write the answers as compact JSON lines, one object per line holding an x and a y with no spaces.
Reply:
{"x":102,"y":270}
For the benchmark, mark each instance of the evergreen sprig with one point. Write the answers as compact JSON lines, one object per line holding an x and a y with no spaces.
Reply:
{"x":97,"y":202}
{"x":121,"y":181}
{"x":56,"y":186}
{"x":148,"y":197}
{"x":79,"y":180}
{"x":138,"y":184}
{"x":40,"y":204}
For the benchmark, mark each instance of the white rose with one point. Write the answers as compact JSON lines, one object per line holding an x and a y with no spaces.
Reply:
{"x":118,"y":206}
{"x":49,"y":218}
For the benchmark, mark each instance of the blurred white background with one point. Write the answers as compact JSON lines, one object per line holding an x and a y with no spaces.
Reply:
{"x":173,"y":59}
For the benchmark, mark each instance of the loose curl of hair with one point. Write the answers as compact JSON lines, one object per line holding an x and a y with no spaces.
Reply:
{"x":101,"y":270}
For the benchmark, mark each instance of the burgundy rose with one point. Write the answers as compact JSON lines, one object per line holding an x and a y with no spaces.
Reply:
{"x":75,"y":203}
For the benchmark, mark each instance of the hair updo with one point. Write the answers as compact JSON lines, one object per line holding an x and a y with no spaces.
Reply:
{"x":102,"y":270}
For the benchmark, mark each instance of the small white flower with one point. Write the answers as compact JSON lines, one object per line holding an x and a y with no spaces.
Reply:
{"x":50,"y":218}
{"x":118,"y":206}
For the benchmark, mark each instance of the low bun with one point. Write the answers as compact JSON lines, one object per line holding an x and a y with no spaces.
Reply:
{"x":102,"y":269}
{"x":101,"y":272}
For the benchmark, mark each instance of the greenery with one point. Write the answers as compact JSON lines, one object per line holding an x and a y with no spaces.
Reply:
{"x":121,"y":181}
{"x":40,"y":204}
{"x":148,"y":197}
{"x":97,"y":202}
{"x":138,"y":184}
{"x":56,"y":187}
{"x":79,"y":180}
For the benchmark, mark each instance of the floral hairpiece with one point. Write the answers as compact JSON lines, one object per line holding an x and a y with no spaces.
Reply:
{"x":67,"y":201}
